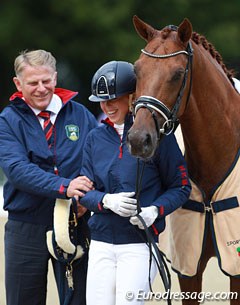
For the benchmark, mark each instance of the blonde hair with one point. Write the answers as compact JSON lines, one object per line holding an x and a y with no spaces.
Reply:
{"x":34,"y":58}
{"x":131,"y":101}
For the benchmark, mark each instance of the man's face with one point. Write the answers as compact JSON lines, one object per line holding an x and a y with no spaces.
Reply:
{"x":37,"y":85}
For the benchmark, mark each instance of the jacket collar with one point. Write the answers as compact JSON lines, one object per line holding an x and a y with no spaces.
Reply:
{"x":64,"y":94}
{"x":128,"y":120}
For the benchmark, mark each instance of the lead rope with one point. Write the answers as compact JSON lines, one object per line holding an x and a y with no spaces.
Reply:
{"x":150,"y":242}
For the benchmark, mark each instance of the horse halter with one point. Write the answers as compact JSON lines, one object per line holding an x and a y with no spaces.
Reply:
{"x":154,"y":105}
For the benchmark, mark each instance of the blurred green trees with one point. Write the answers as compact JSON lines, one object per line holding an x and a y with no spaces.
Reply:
{"x":83,"y":35}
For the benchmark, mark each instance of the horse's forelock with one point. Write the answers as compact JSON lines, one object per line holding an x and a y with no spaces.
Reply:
{"x":165,"y":33}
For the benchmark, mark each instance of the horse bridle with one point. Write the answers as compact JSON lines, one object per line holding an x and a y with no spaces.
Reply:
{"x":156,"y":106}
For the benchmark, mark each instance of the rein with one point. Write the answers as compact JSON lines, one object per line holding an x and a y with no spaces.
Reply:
{"x":150,"y":242}
{"x":155,"y":105}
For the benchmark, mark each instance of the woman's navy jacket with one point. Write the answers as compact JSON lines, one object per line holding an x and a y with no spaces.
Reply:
{"x":35,"y":175}
{"x":108,"y":163}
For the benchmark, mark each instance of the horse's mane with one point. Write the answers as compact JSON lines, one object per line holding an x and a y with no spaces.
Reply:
{"x":200,"y":39}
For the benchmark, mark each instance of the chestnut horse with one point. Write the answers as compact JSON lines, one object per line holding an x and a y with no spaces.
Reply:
{"x":182,"y":78}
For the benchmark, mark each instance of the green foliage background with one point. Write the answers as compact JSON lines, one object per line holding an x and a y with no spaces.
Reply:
{"x":83,"y":34}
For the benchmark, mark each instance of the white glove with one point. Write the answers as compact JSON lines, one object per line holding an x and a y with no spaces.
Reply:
{"x":148,"y":214}
{"x":121,"y":204}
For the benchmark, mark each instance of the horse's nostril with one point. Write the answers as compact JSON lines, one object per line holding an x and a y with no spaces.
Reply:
{"x":147,"y":140}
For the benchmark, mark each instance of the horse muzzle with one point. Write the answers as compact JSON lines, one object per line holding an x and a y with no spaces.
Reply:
{"x":140,"y":143}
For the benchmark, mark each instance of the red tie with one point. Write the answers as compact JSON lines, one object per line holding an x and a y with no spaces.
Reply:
{"x":47,"y":126}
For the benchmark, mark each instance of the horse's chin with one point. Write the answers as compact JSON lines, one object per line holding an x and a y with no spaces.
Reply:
{"x":142,"y":144}
{"x":143,"y":153}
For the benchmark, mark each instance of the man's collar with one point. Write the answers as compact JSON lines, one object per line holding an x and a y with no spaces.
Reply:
{"x":54,"y":106}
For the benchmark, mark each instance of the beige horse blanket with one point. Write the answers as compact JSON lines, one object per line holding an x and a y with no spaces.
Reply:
{"x":182,"y":240}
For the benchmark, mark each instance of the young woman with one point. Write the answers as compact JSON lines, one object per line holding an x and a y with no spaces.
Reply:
{"x":119,"y":257}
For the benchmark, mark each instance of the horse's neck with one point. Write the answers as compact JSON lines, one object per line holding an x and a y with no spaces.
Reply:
{"x":211,"y":132}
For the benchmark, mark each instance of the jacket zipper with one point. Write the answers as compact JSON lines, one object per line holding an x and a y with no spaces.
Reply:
{"x":121,"y":151}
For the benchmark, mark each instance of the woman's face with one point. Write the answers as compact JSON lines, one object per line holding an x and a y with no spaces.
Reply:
{"x":116,"y":109}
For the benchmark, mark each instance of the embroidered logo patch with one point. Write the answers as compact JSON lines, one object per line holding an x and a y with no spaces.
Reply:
{"x":72,"y":132}
{"x":238,"y":251}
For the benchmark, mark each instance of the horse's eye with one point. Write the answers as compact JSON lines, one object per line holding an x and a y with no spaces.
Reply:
{"x":177,"y":75}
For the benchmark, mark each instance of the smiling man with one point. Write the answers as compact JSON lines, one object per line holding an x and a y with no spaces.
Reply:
{"x":42,"y":133}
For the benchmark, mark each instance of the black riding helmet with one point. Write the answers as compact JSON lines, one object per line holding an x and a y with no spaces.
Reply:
{"x":112,"y":80}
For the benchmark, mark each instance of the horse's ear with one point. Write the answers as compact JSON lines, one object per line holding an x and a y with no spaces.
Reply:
{"x":143,"y":29}
{"x":185,"y":31}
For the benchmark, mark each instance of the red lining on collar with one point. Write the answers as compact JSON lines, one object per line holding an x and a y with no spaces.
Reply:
{"x":64,"y":94}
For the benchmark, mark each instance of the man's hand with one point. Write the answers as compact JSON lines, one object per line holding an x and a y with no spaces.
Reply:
{"x":78,"y":186}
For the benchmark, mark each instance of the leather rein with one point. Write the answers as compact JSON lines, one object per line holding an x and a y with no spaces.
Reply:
{"x":150,"y":242}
